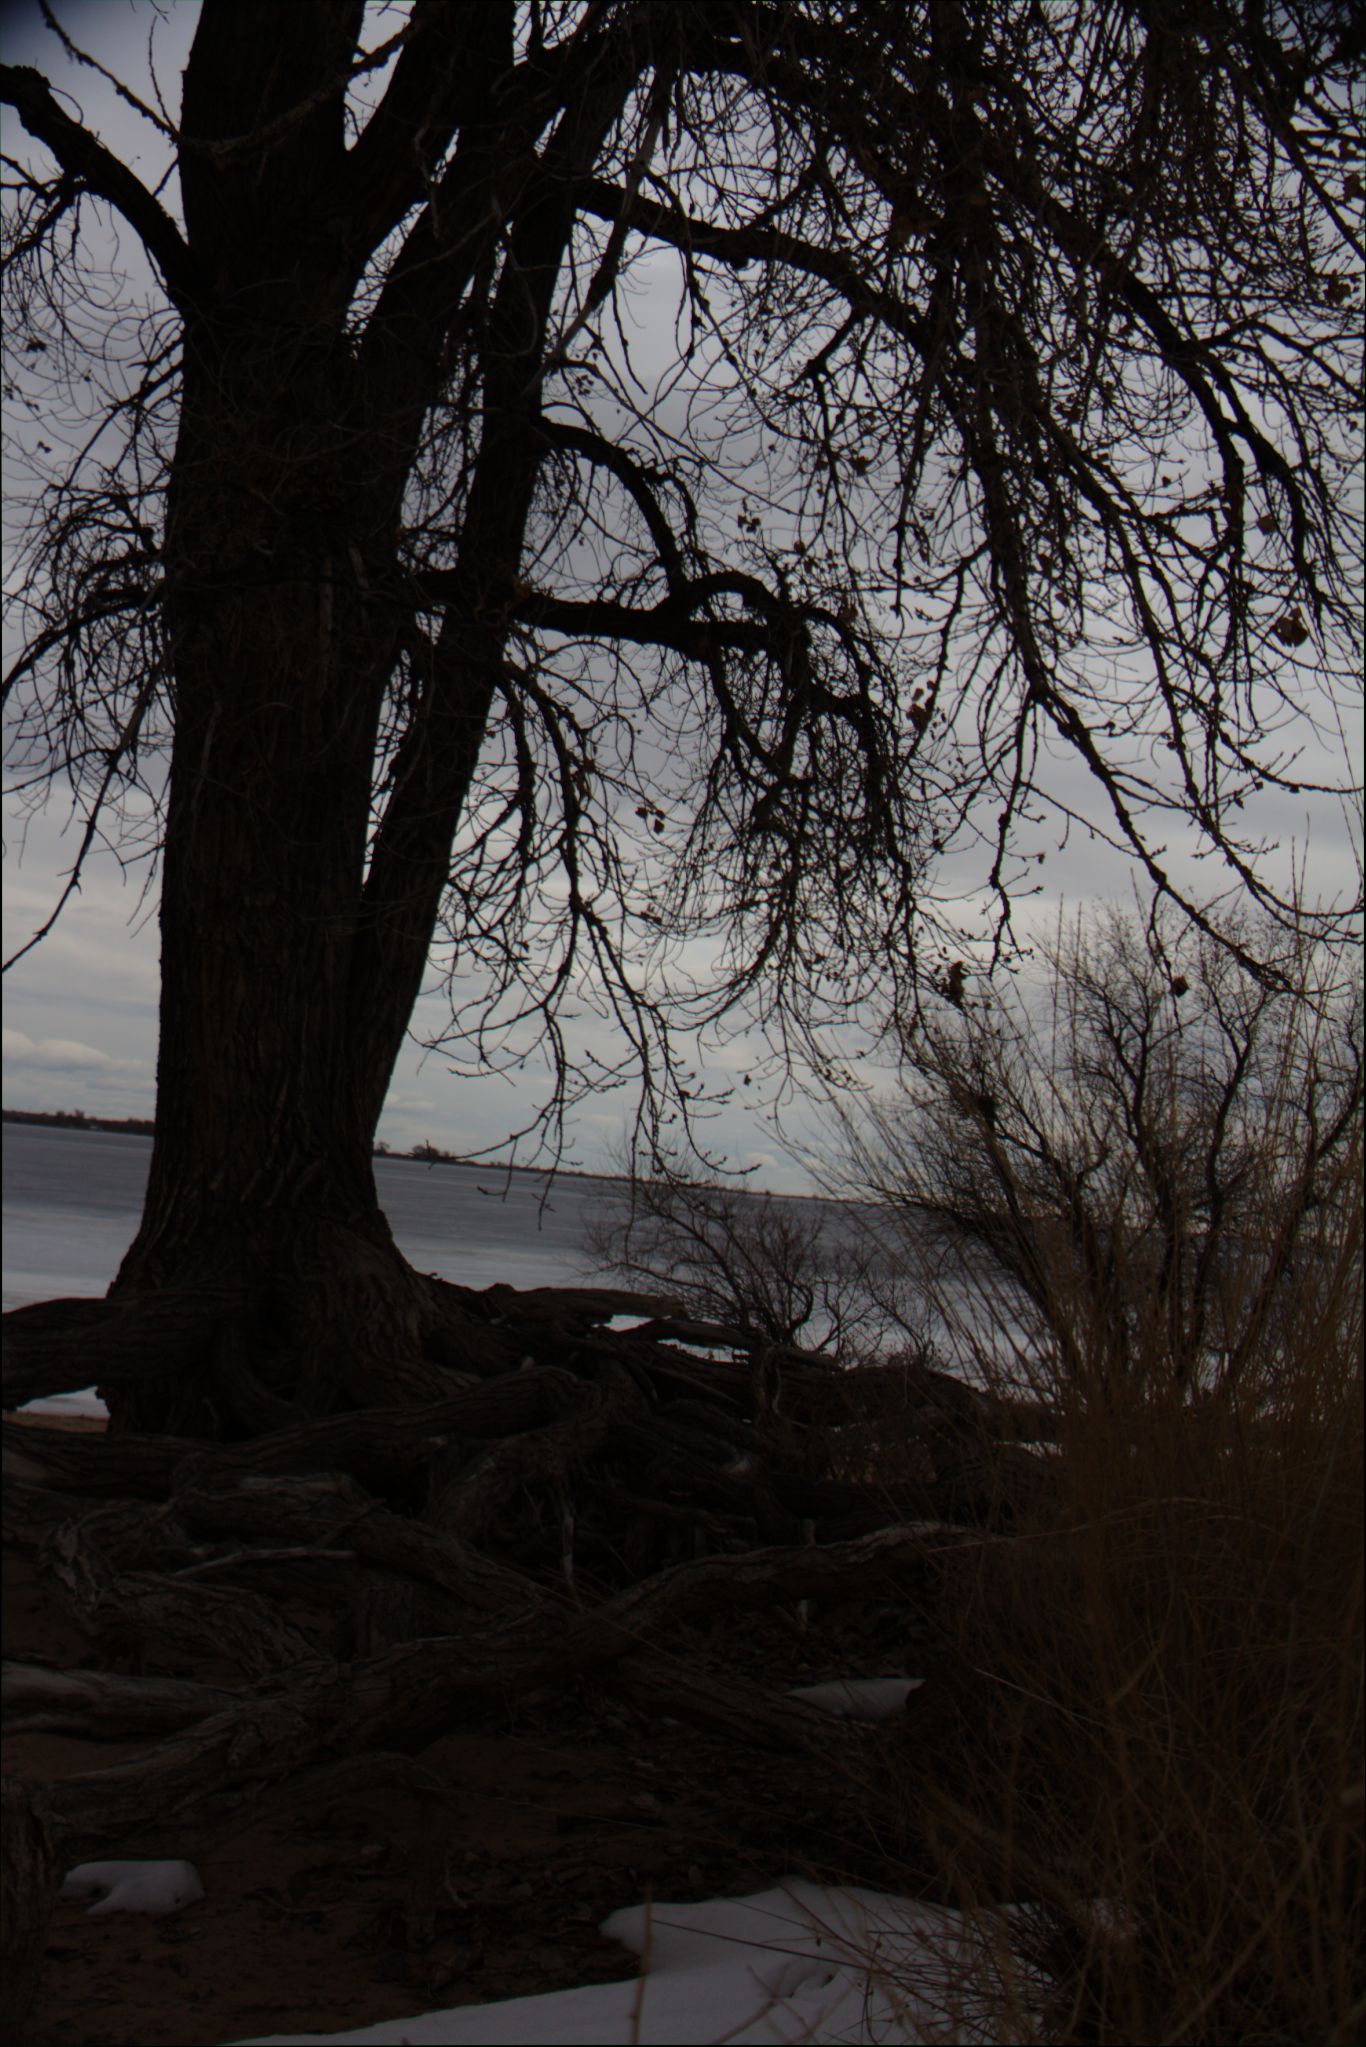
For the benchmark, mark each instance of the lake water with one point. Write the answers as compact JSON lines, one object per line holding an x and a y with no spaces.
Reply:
{"x":72,"y":1199}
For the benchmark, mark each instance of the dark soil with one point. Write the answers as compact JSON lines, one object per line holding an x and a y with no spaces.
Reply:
{"x":329,"y":1908}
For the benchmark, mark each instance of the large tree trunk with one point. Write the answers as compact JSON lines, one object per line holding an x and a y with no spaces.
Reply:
{"x":286,"y":605}
{"x":270,"y":1073}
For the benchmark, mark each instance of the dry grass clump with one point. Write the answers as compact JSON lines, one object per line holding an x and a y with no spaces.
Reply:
{"x":1172,"y":1766}
{"x":1156,"y":1741}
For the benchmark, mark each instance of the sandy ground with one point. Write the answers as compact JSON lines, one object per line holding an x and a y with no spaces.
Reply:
{"x":326,"y":1909}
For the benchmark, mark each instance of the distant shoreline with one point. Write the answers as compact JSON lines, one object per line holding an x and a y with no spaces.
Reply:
{"x":421,"y":1155}
{"x":76,"y":1119}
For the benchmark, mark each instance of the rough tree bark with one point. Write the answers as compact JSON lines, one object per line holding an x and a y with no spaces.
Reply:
{"x":286,"y":983}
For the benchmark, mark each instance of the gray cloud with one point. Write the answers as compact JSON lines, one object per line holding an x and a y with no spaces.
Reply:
{"x":65,"y":1055}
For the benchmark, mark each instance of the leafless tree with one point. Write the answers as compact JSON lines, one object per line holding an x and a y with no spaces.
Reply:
{"x":1147,"y":1179}
{"x":771,"y":1270}
{"x":1009,"y":386}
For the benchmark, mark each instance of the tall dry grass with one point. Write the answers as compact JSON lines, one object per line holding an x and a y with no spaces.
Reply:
{"x":1160,"y":1755}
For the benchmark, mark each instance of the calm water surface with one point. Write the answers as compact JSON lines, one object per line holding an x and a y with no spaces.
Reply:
{"x":72,"y":1199}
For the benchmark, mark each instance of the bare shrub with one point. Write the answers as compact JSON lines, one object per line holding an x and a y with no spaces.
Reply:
{"x":1136,"y":1186}
{"x":772,"y":1268}
{"x":1160,"y":1750}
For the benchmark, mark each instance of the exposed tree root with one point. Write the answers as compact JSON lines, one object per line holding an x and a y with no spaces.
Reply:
{"x":560,"y":1505}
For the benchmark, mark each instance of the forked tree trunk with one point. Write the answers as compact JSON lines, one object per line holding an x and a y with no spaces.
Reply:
{"x":295,"y":928}
{"x":271,"y":1072}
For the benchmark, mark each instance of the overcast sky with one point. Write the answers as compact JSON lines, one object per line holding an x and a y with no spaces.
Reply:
{"x":80,"y":1010}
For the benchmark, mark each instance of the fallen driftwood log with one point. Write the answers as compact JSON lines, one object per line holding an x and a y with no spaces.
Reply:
{"x":563,"y":1503}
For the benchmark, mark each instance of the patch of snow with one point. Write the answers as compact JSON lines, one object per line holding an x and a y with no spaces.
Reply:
{"x":860,"y":1698}
{"x":134,"y":1886}
{"x":796,"y":1963}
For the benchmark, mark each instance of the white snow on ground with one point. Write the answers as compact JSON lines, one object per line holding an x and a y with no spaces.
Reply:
{"x":796,"y":1963}
{"x":134,"y":1886}
{"x":860,"y":1698}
